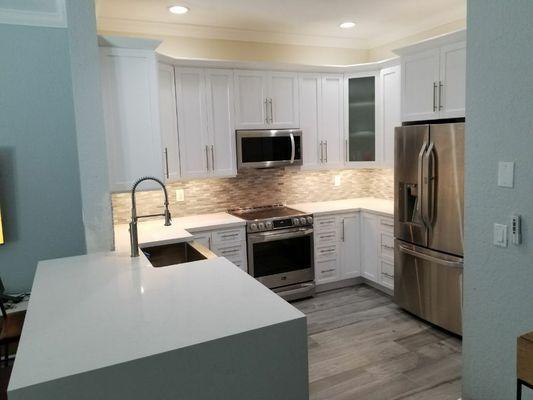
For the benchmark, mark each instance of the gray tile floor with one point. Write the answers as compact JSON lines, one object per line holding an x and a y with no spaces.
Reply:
{"x":363,"y":347}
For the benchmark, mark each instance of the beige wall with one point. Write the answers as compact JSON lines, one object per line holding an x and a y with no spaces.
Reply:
{"x":385,"y":52}
{"x":217,"y":49}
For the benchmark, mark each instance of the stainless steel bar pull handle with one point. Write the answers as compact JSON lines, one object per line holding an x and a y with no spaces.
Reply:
{"x":427,"y":257}
{"x":326,"y":146}
{"x":441,"y":87}
{"x":293,"y":148}
{"x":346,"y":144}
{"x":213,"y":157}
{"x":321,"y":151}
{"x":166,"y":163}
{"x":434,"y":96}
{"x":267,"y":120}
{"x":271,"y":111}
{"x":429,"y":185}
{"x":207,"y":156}
{"x":343,"y":230}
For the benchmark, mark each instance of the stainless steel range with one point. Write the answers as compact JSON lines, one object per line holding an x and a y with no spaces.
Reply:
{"x":280,"y":249}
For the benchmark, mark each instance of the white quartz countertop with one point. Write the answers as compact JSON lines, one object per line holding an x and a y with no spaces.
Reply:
{"x":371,"y":204}
{"x":98,"y":310}
{"x":153,"y":232}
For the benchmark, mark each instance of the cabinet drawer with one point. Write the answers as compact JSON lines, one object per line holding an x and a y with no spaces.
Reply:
{"x":328,"y":252}
{"x":241,"y":263}
{"x":387,"y":245}
{"x":387,"y":281}
{"x":325,"y":224}
{"x":326,"y":270}
{"x":325,"y":237}
{"x":387,"y":273}
{"x":228,"y":236}
{"x":236,"y":251}
{"x":386,"y":224}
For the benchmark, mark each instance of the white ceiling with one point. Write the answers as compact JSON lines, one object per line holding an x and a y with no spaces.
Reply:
{"x":310,"y":22}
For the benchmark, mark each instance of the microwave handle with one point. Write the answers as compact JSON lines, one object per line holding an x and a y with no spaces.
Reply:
{"x":293,"y":148}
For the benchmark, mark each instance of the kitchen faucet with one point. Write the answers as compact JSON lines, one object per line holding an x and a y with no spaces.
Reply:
{"x":134,"y":240}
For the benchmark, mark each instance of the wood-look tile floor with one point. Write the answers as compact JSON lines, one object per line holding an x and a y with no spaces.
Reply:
{"x":363,"y":347}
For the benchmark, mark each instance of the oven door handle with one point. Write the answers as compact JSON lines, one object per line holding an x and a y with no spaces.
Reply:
{"x":271,"y":236}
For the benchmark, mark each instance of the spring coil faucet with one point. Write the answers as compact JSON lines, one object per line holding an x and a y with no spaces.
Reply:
{"x":134,"y":239}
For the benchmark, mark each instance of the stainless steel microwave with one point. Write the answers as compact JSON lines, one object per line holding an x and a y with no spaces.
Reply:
{"x":269,"y":148}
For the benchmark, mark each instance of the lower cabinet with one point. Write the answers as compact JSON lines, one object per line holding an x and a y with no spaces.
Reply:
{"x":228,"y":243}
{"x":354,"y":244}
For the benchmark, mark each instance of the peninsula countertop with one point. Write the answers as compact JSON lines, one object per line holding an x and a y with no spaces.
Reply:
{"x":370,"y":204}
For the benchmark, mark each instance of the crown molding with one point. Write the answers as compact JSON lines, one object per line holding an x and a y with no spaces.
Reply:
{"x":56,"y":18}
{"x":118,"y":25}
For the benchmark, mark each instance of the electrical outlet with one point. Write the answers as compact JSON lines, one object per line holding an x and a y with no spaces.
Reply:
{"x":500,"y":235}
{"x":337,"y":180}
{"x":180,"y":195}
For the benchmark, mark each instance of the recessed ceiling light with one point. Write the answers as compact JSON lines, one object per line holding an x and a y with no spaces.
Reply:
{"x":178,"y":9}
{"x":347,"y":25}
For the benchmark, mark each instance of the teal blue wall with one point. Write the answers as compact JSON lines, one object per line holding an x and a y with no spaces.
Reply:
{"x":498,"y":282}
{"x":39,"y":173}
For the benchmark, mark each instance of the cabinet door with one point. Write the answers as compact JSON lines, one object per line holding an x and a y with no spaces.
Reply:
{"x":420,"y":78}
{"x":250,"y":102}
{"x":192,"y":122}
{"x":220,"y":122}
{"x":363,"y":133}
{"x":169,"y":123}
{"x":391,"y":114}
{"x":369,"y":244}
{"x":283,"y":95}
{"x":350,"y":246}
{"x":331,"y":132}
{"x":131,"y":117}
{"x":452,"y":92}
{"x":204,"y":238}
{"x":326,"y":271}
{"x":310,"y":97}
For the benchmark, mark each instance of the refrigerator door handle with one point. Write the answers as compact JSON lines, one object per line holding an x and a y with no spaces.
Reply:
{"x":427,"y":257}
{"x":419,"y":206}
{"x":428,"y":192}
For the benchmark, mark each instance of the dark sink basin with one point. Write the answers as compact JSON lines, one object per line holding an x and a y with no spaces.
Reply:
{"x":176,"y":253}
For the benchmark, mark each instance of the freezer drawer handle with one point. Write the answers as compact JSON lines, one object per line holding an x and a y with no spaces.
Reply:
{"x":427,"y":257}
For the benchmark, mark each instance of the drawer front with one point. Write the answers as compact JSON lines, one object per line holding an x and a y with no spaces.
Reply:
{"x":328,"y":252}
{"x":387,"y":274}
{"x":325,"y":237}
{"x":325,"y":224}
{"x":387,"y":281}
{"x":241,"y":264}
{"x":228,"y":236}
{"x":204,"y":238}
{"x":386,"y":224}
{"x":229,"y":252}
{"x":326,"y":270}
{"x":387,"y":245}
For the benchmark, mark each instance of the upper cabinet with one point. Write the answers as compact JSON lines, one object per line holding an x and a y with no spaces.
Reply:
{"x":434,"y":79}
{"x":205,"y":122}
{"x":131,"y":115}
{"x":169,"y":123}
{"x":391,"y":111}
{"x":321,"y":119}
{"x":362,"y":122}
{"x":266,"y":100}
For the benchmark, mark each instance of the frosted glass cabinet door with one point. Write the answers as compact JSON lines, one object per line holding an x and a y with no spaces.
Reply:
{"x":361,"y":140}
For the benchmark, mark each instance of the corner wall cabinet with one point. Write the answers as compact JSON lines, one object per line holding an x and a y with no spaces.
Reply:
{"x":434,"y":82}
{"x":266,"y":100}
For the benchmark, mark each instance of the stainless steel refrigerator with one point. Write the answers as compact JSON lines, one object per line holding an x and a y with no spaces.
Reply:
{"x":428,"y":226}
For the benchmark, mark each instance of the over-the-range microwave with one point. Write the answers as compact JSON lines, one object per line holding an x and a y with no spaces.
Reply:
{"x":269,"y":148}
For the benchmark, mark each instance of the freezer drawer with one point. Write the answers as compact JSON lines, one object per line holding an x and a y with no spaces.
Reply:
{"x":429,"y":284}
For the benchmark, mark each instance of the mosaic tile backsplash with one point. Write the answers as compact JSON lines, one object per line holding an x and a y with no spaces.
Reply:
{"x":252,"y":188}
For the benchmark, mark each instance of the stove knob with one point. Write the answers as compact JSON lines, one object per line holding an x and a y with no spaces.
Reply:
{"x":309,"y":220}
{"x":296,"y":221}
{"x":269,"y":225}
{"x":253,"y":226}
{"x":261,"y":226}
{"x":303,"y":221}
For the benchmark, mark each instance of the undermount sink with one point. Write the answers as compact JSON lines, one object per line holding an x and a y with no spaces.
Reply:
{"x":176,"y":253}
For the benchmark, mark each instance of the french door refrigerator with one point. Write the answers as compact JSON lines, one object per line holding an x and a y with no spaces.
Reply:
{"x":428,"y":226}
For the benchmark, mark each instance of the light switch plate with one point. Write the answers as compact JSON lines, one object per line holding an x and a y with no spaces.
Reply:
{"x":180,"y":195}
{"x":506,"y":174}
{"x":500,"y":235}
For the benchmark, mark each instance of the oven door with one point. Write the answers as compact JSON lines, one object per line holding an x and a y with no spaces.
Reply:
{"x":281,"y":258}
{"x":269,"y":148}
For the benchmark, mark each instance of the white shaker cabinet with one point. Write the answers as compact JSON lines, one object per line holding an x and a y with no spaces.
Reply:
{"x":369,"y":246}
{"x":332,"y":120}
{"x":350,"y":245}
{"x":169,"y":123}
{"x":229,"y":243}
{"x":391,"y":111}
{"x":205,"y":122}
{"x":310,"y":118}
{"x":131,"y":116}
{"x":266,"y":100}
{"x":434,"y":79}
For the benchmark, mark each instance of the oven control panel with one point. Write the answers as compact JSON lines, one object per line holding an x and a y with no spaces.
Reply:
{"x":280,"y":223}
